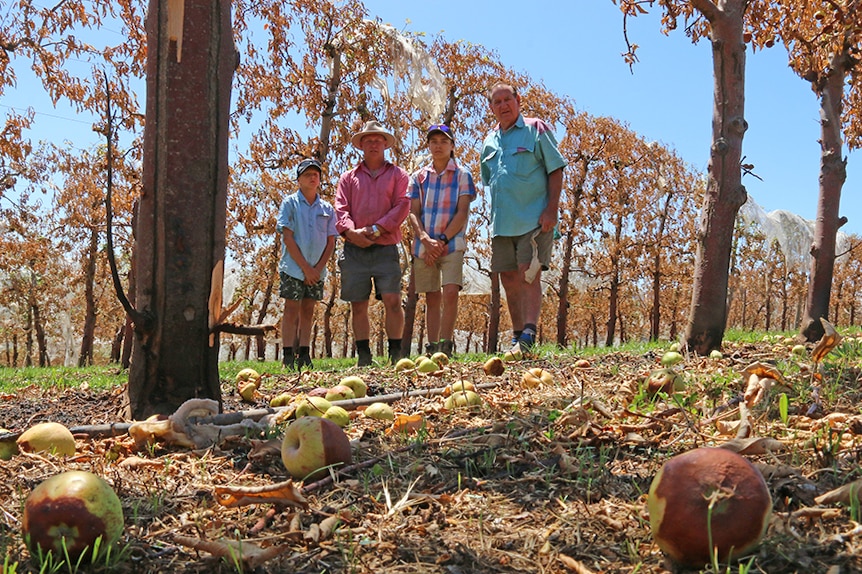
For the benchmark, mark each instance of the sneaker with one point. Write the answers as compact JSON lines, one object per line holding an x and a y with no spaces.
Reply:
{"x":364,"y":358}
{"x":527,"y":341}
{"x":303,"y":361}
{"x":446,"y":346}
{"x":288,"y":360}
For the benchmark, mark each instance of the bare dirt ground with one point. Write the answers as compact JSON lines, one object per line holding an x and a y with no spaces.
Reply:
{"x":545,"y":479}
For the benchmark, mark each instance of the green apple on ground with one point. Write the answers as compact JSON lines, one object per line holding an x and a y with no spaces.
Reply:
{"x":405,"y":364}
{"x":357,"y":384}
{"x":281,"y":400}
{"x":380,"y":412}
{"x":340,"y":393}
{"x":671,"y":358}
{"x":311,"y":445}
{"x":70,"y":511}
{"x":462,"y":399}
{"x":460,"y":386}
{"x":47,"y":437}
{"x":312,"y":407}
{"x":8,"y":448}
{"x":440,"y":358}
{"x":666,"y":381}
{"x":338,"y":415}
{"x":427,"y":366}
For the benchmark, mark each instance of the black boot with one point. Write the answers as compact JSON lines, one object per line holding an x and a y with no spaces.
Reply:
{"x":287,"y":358}
{"x":303,"y":361}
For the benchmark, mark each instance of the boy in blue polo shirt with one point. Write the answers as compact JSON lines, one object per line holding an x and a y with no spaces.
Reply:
{"x":307,"y":226}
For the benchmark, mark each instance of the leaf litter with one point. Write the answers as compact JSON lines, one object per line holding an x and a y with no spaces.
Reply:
{"x":545,"y":479}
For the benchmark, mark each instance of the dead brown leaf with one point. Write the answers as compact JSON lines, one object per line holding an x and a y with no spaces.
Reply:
{"x":830,"y":339}
{"x":754,"y":445}
{"x":842,"y":495}
{"x":282,"y":493}
{"x":251,"y":555}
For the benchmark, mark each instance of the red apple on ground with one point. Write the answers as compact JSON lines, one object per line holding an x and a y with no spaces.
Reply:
{"x":340,"y":393}
{"x":311,"y":444}
{"x":77,"y":506}
{"x":679,"y":506}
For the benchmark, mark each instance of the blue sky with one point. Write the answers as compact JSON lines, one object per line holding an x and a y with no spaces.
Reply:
{"x":574,"y":47}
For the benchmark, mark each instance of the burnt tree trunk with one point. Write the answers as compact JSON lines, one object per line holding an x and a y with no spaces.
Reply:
{"x":182,"y":211}
{"x":833,"y":172}
{"x":725,"y":193}
{"x":494,"y":306}
{"x":86,"y":356}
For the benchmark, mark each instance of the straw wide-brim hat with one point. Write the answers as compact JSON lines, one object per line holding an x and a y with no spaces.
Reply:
{"x":373,"y":127}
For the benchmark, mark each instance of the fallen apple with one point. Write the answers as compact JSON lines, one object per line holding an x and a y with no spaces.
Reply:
{"x":380,"y":412}
{"x":582,"y":364}
{"x":70,"y":511}
{"x":281,"y":400}
{"x":671,"y":358}
{"x":798,"y":350}
{"x":405,"y":364}
{"x":494,"y":367}
{"x":544,"y":376}
{"x":247,"y":390}
{"x":459,"y":386}
{"x":513,"y":355}
{"x":715,"y":354}
{"x":703,"y":493}
{"x":427,"y":366}
{"x":462,"y":399}
{"x":47,"y":437}
{"x":357,"y":384}
{"x":312,"y":407}
{"x":246,"y":375}
{"x":530,"y":380}
{"x":311,"y":445}
{"x":675,"y":346}
{"x":440,"y":358}
{"x":665,"y":381}
{"x":338,"y":415}
{"x":8,"y":448}
{"x":340,"y":393}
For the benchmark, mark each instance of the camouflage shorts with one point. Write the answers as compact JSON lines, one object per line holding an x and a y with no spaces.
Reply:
{"x":296,"y":289}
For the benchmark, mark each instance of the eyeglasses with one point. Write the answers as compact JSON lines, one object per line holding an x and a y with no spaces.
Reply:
{"x":439,"y":128}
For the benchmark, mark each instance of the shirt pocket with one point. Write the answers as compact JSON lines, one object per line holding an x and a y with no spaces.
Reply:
{"x":322,"y":222}
{"x":524,"y":159}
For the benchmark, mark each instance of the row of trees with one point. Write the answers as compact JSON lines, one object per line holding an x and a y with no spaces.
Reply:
{"x":633,"y":260}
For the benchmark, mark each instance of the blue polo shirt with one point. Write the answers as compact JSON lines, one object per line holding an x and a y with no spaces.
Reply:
{"x":515,"y":168}
{"x":312,"y":224}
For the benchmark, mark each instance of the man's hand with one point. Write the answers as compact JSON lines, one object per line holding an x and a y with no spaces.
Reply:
{"x":312,"y":275}
{"x":548,"y":219}
{"x":359,"y":237}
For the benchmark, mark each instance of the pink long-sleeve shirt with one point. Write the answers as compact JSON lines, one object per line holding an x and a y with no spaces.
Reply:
{"x":363,"y":200}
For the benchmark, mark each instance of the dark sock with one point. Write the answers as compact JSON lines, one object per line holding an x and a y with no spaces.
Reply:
{"x":287,"y":351}
{"x":304,"y":350}
{"x":363,"y":345}
{"x":530,"y":328}
{"x":394,"y":347}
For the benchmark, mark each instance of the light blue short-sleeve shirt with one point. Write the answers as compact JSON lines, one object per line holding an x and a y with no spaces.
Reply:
{"x":515,"y":168}
{"x":312,"y":224}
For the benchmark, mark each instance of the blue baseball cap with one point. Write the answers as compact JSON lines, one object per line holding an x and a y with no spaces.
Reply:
{"x":306,"y":164}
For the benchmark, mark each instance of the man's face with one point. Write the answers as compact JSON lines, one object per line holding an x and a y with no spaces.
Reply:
{"x":440,"y":146}
{"x":373,"y":145}
{"x":506,"y":106}
{"x":310,"y":179}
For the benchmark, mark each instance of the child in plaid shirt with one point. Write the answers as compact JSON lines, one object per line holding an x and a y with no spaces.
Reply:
{"x":440,"y":194}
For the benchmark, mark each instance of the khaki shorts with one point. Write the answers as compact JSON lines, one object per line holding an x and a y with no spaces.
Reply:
{"x":428,"y":277}
{"x":508,"y":253}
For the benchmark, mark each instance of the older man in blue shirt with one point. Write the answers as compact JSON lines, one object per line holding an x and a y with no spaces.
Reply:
{"x":523,"y":170}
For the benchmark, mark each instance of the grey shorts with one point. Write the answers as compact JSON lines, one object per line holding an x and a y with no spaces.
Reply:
{"x":295,"y":289}
{"x":446,"y":270}
{"x":379,"y":265}
{"x":507,"y":253}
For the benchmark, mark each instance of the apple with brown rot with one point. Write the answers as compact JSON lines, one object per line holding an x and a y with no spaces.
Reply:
{"x":311,"y":444}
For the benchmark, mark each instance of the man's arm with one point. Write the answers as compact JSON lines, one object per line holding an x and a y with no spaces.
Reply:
{"x":548,"y":218}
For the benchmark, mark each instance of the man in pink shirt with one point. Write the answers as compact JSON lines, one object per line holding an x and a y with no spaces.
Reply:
{"x":371,"y":203}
